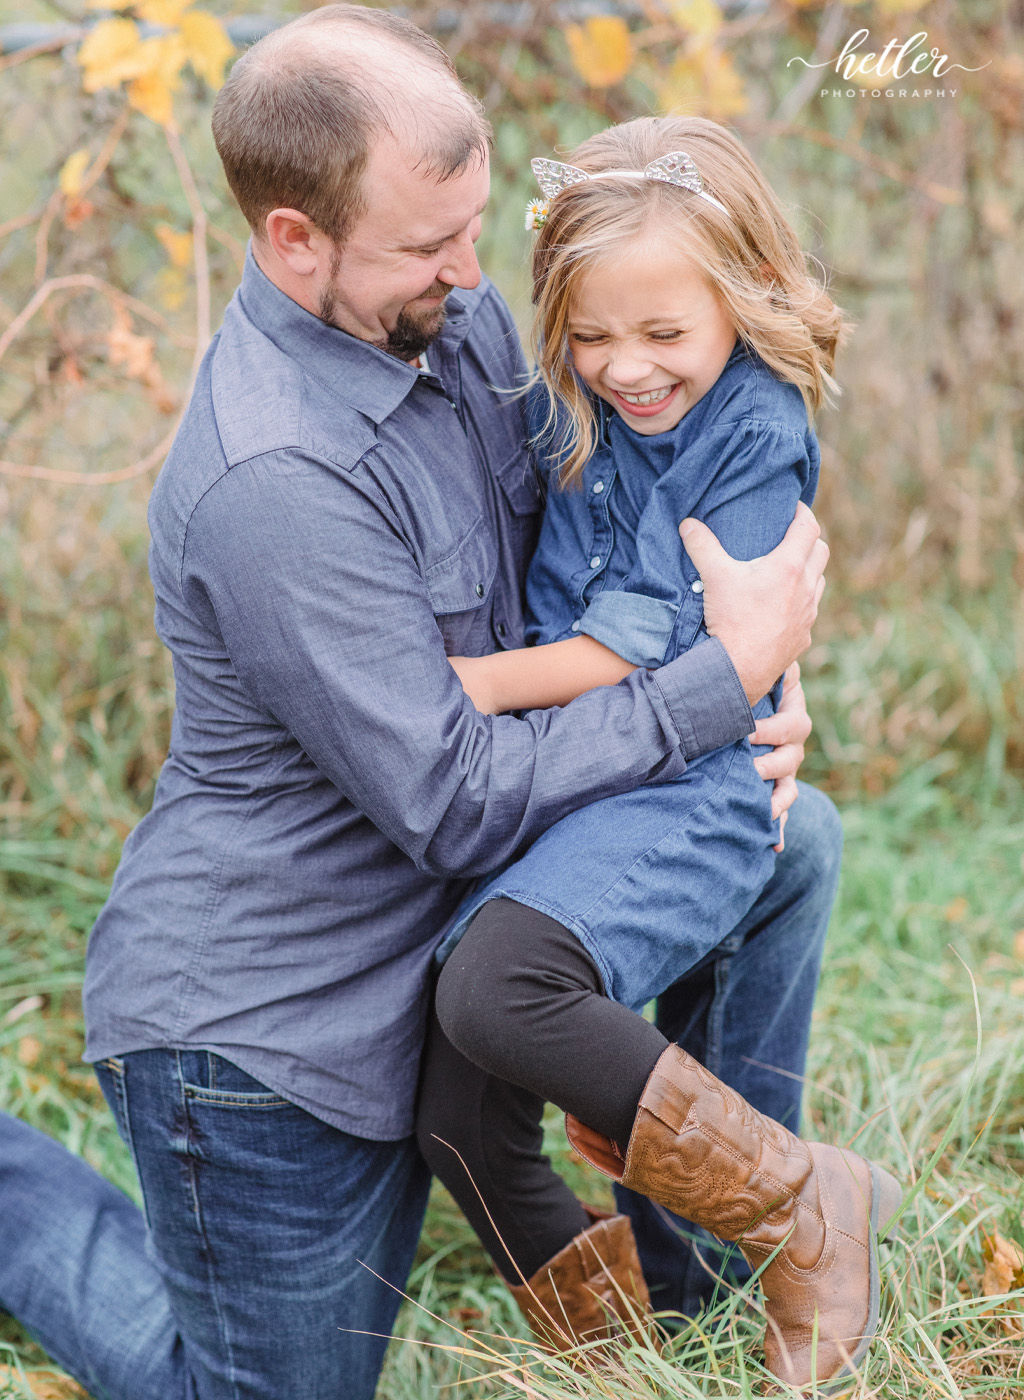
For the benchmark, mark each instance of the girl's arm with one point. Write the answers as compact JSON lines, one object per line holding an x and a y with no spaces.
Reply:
{"x":538,"y":678}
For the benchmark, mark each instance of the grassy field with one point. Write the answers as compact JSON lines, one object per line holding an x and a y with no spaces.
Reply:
{"x":918,"y":1047}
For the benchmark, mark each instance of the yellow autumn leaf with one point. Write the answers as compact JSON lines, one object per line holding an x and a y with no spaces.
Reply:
{"x":150,"y":93}
{"x":900,"y":7}
{"x":171,"y":288}
{"x":166,"y":12}
{"x":704,"y":81}
{"x":178,"y":246}
{"x":207,"y":45}
{"x":151,"y":96}
{"x":71,"y":172}
{"x":601,"y":49}
{"x":109,"y":4}
{"x":111,"y":54}
{"x":700,"y":17}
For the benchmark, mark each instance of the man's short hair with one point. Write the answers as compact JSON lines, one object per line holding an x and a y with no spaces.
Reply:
{"x":295,"y":122}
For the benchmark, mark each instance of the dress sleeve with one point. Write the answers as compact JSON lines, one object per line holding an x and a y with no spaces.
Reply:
{"x":743,"y":480}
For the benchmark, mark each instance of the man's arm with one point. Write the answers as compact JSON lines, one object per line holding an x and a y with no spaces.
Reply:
{"x":326,"y":621}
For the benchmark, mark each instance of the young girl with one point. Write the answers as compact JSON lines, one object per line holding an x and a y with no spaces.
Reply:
{"x":682,"y":346}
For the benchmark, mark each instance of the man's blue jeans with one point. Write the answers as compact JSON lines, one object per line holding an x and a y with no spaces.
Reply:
{"x":253,"y":1280}
{"x":247,"y":1284}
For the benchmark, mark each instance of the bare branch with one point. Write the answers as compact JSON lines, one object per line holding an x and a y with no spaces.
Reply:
{"x":200,"y":258}
{"x":69,"y":478}
{"x":61,"y":41}
{"x":79,"y":281}
{"x":942,"y":194}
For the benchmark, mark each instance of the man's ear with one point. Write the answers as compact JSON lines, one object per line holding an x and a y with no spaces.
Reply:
{"x":295,"y":239}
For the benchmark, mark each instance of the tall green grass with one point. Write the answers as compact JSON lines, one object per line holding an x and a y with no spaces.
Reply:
{"x":918,"y":1047}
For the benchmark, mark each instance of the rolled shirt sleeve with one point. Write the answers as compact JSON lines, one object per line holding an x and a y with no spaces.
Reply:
{"x":635,"y":626}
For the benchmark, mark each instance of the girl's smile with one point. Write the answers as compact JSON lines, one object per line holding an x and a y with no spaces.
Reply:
{"x":649,"y":335}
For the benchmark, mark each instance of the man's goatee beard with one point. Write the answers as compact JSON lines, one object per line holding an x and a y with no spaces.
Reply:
{"x":411,"y":335}
{"x":414,"y":334}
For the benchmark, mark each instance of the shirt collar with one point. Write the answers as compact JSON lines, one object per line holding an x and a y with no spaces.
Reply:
{"x":361,"y":375}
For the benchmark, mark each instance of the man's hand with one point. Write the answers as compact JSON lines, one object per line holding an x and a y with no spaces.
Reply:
{"x":787,"y":730}
{"x":762,"y":611}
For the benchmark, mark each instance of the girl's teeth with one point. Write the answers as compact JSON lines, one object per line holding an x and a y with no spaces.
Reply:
{"x":655,"y":396}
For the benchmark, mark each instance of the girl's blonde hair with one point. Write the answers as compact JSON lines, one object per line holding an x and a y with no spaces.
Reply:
{"x":751,"y":259}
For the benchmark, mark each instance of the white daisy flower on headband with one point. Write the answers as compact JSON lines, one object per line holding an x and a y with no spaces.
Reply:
{"x":536,"y":214}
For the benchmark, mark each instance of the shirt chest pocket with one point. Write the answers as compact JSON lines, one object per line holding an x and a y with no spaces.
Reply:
{"x":519,"y":483}
{"x":459,"y":587}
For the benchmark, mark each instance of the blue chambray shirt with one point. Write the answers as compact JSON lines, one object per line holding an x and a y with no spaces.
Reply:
{"x":329,"y":524}
{"x":610,"y":562}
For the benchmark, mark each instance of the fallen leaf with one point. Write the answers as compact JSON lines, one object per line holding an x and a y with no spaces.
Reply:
{"x":601,"y":49}
{"x":1004,"y":1265}
{"x":956,"y":909}
{"x":1018,"y":944}
{"x":207,"y":45}
{"x":1004,"y":1273}
{"x":29,"y":1050}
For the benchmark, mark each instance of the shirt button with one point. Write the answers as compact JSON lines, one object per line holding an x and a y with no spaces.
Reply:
{"x":501,"y":629}
{"x":479,"y":590}
{"x":575,"y":627}
{"x":595,"y":563}
{"x":598,"y":487}
{"x":697,"y":586}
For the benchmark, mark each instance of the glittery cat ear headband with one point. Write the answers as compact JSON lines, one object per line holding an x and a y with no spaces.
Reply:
{"x":674,"y":169}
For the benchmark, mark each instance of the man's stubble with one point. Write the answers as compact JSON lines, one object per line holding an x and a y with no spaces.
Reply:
{"x":413,"y":332}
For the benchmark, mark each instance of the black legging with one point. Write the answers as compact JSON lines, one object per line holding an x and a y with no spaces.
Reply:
{"x":521,"y":1019}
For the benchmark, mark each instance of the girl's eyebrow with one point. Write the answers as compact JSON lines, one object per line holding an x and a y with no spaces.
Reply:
{"x":676,"y":322}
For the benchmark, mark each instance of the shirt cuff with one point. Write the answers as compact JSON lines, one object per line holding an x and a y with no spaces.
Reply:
{"x":636,"y":627}
{"x":705,"y":698}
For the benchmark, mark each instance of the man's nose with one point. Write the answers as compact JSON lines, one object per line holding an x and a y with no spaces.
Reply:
{"x":461,"y":268}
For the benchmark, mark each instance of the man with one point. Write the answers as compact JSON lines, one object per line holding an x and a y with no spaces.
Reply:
{"x":334,"y":517}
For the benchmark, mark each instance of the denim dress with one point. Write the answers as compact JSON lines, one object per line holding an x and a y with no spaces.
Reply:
{"x":652,"y":880}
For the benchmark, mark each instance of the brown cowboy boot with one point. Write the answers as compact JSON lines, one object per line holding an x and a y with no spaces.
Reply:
{"x":814,"y":1211}
{"x":592,"y":1290}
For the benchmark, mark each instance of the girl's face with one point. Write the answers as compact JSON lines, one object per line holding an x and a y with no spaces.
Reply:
{"x":648,"y":335}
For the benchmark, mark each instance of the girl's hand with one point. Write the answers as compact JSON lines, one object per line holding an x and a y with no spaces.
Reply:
{"x":787,"y":731}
